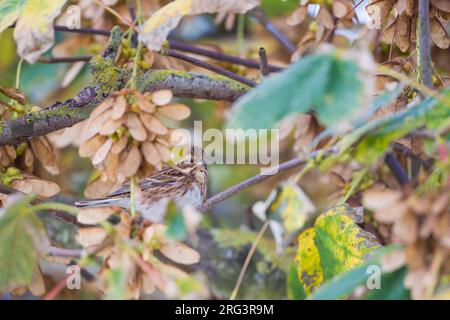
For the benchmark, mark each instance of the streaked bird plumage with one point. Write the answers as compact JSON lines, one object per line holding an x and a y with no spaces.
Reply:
{"x":185,"y":184}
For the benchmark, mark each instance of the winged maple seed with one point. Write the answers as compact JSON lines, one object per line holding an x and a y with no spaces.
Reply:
{"x":125,"y":136}
{"x":17,"y":162}
{"x":422,"y":225}
{"x":144,"y":272}
{"x":401,"y":25}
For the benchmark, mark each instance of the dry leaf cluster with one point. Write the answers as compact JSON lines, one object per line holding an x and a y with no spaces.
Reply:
{"x":329,"y":12}
{"x":422,"y":224}
{"x":133,"y":251}
{"x":400,"y":19}
{"x":126,"y":136}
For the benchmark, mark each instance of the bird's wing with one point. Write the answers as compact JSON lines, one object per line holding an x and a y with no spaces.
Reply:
{"x":164,"y":177}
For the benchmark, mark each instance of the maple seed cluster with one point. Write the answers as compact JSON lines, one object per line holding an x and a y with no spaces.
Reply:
{"x":126,"y":136}
{"x":422,"y":225}
{"x":133,"y":252}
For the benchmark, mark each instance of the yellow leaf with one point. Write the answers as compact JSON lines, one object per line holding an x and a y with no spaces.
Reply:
{"x":154,"y":31}
{"x":34,"y":32}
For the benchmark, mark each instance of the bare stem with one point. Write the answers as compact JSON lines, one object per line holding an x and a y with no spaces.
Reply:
{"x":425,"y":71}
{"x":210,"y":67}
{"x":259,"y":15}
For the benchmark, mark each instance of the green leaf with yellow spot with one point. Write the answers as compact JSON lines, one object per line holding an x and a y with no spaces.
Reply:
{"x":334,"y":244}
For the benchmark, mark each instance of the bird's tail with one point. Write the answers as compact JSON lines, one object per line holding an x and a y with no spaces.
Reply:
{"x":97,"y":203}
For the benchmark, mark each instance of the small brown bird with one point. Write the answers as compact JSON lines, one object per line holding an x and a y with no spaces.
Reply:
{"x":186,"y":184}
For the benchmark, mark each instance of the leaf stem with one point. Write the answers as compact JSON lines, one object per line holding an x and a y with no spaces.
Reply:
{"x":248,"y":258}
{"x":18,"y":72}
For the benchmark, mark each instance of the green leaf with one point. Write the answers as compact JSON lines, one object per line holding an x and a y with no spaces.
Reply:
{"x":295,"y":289}
{"x":392,"y":287}
{"x":374,"y":137}
{"x":176,"y":226}
{"x":326,"y":83}
{"x":345,"y":283}
{"x":334,"y":244}
{"x":116,"y":288}
{"x":18,"y":256}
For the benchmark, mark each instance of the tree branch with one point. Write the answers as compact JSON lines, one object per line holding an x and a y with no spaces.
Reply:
{"x":293,"y":163}
{"x":107,"y":78}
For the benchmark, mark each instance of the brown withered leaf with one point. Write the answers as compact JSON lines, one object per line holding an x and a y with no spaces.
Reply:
{"x":341,"y":9}
{"x":136,"y":128}
{"x":382,"y":7}
{"x":88,"y":148}
{"x":152,"y":124}
{"x":439,"y":34}
{"x":162,"y":97}
{"x":88,"y":237}
{"x":102,"y":152}
{"x":94,"y":215}
{"x":176,"y":111}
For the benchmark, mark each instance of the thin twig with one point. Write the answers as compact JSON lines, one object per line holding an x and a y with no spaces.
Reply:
{"x":205,"y":65}
{"x":259,"y":15}
{"x":263,"y":64}
{"x":397,"y":170}
{"x":293,"y":163}
{"x":331,"y":31}
{"x":60,"y":215}
{"x":186,"y":47}
{"x":49,"y":60}
{"x":248,"y":258}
